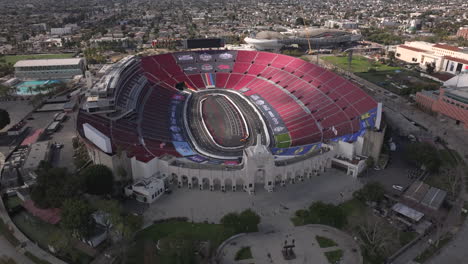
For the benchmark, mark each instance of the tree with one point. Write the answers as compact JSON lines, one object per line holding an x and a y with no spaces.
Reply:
{"x":326,"y":214}
{"x":375,"y":238}
{"x":371,"y":192}
{"x":4,"y":90}
{"x":245,"y":222}
{"x":231,"y":220}
{"x":76,"y":217}
{"x":4,"y":118}
{"x":98,"y":179}
{"x":249,"y":220}
{"x":53,"y":186}
{"x":423,"y":154}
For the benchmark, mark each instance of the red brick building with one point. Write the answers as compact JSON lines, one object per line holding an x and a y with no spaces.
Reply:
{"x":451,"y":100}
{"x":463,"y":32}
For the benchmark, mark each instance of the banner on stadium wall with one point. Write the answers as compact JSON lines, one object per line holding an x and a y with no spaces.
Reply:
{"x":197,"y":158}
{"x":183,"y":148}
{"x":274,"y":120}
{"x":368,"y":119}
{"x":296,"y":151}
{"x":185,"y":57}
{"x":178,"y":138}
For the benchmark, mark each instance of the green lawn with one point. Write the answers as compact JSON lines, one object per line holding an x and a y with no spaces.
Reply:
{"x":399,"y":81}
{"x":334,"y":256}
{"x":358,"y":64}
{"x":39,"y":232}
{"x":12,"y":202}
{"x":243,"y":253}
{"x":144,"y":248}
{"x":14,"y":58}
{"x":34,"y":228}
{"x":325,"y":242}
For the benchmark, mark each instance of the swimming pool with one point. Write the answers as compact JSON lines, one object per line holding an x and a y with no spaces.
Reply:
{"x":27,"y":87}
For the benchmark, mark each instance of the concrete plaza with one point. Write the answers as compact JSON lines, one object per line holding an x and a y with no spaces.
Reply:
{"x":275,"y":208}
{"x":266,"y":247}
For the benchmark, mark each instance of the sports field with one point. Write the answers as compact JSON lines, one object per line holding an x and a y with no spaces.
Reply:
{"x":14,"y":58}
{"x":223,"y":121}
{"x":358,"y":64}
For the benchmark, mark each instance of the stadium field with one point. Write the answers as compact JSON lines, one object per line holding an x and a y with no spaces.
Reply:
{"x":283,"y":140}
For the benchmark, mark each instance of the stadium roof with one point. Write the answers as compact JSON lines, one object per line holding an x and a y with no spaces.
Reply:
{"x":48,"y":62}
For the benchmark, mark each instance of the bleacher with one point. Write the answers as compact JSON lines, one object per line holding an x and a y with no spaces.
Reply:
{"x":310,"y":100}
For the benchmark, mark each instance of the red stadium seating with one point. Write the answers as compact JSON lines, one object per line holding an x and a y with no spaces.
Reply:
{"x":312,"y":101}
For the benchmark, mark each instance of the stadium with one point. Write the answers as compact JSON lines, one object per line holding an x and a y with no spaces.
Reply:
{"x":319,"y":38}
{"x":227,"y":120}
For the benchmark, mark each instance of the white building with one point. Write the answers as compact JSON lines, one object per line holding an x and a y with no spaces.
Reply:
{"x":49,"y":69}
{"x":342,"y":24}
{"x":61,"y":31}
{"x":446,"y":58}
{"x":146,"y":190}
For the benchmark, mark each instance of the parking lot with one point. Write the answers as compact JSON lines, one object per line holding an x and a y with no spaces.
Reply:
{"x":62,"y":157}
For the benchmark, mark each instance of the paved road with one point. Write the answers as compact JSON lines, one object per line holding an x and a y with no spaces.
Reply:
{"x":6,"y":249}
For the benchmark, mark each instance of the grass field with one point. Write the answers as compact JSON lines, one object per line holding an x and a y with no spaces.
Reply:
{"x":243,"y":253}
{"x":144,"y":248}
{"x":14,"y":58}
{"x":325,"y":242}
{"x":40,"y":232}
{"x":334,"y":256}
{"x":358,"y":64}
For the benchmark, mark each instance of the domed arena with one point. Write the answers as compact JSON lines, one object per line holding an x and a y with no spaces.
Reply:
{"x":225,"y":119}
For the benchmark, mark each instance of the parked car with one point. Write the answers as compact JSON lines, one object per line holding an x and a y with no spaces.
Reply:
{"x":397,"y":187}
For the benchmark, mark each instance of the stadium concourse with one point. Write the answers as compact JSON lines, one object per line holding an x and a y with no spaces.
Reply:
{"x":223,"y":119}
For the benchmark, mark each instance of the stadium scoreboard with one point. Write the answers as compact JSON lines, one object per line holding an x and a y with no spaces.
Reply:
{"x":203,"y":43}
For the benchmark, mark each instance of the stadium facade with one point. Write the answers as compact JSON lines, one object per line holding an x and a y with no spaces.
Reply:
{"x":228,"y":120}
{"x":319,"y":38}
